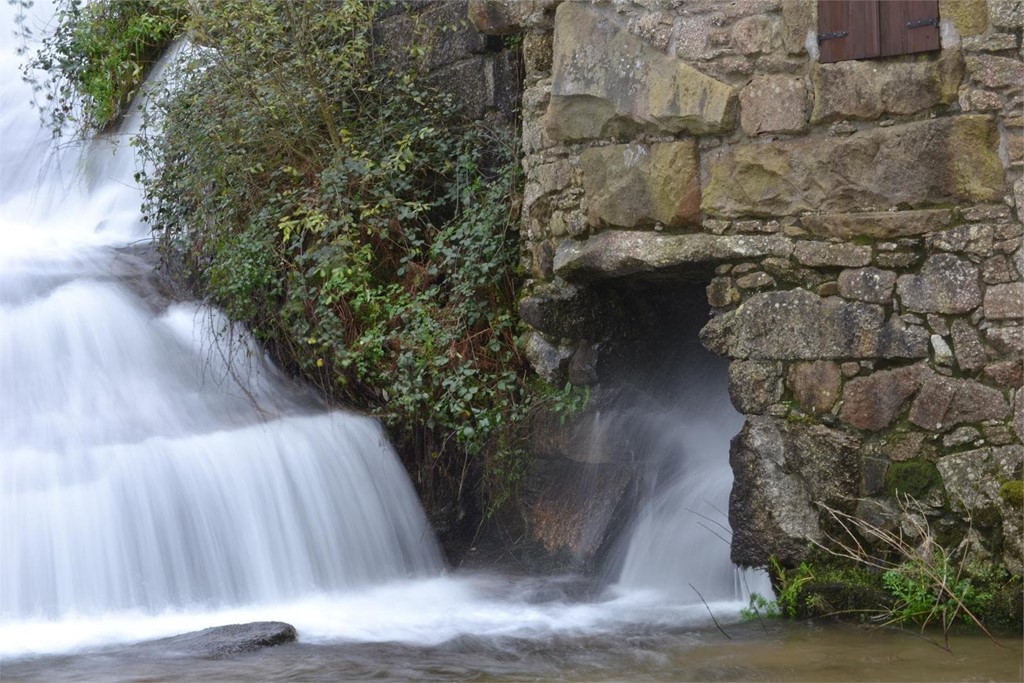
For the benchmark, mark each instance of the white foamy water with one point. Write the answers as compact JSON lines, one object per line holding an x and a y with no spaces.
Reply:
{"x":153,"y":465}
{"x":156,"y":480}
{"x":680,"y":541}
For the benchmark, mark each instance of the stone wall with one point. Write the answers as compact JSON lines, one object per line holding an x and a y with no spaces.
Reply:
{"x":858,"y":226}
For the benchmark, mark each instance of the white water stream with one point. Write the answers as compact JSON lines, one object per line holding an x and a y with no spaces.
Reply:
{"x":151,"y":484}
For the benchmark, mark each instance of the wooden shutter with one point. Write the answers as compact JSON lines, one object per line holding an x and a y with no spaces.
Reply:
{"x":860,"y":29}
{"x":847,"y":29}
{"x":908,"y":26}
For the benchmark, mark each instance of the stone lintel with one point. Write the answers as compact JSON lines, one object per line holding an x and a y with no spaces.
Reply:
{"x":621,"y":253}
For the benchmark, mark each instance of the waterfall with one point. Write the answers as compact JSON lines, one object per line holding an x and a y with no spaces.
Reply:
{"x":159,"y":475}
{"x":150,"y":458}
{"x":681,"y":420}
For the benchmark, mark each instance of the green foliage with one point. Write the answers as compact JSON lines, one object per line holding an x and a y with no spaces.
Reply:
{"x":789,"y":587}
{"x":322,"y":191}
{"x":921,"y":600}
{"x":929,"y":583}
{"x":760,"y":607}
{"x":97,"y":57}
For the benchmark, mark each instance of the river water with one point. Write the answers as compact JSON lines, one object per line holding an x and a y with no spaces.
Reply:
{"x":158,"y":475}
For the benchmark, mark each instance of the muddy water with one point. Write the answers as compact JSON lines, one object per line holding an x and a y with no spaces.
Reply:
{"x":775,"y":652}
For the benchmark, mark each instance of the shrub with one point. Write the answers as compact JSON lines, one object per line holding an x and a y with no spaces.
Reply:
{"x":322,"y":192}
{"x":97,"y":57}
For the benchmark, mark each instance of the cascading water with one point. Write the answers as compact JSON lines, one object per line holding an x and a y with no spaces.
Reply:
{"x":679,"y":542}
{"x":145,"y":465}
{"x":673,"y":413}
{"x":155,"y":480}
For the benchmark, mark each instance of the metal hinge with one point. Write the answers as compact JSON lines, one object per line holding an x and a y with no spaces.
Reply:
{"x":919,"y":23}
{"x":822,"y":37}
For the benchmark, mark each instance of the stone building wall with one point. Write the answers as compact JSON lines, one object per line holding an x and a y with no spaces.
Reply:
{"x":857,"y":225}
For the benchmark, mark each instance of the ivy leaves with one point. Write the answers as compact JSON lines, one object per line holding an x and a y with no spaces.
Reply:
{"x":365,"y":230}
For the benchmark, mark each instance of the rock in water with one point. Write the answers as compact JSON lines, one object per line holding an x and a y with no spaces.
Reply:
{"x":224,"y":641}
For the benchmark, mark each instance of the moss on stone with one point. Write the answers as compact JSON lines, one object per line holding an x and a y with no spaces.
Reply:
{"x":1012,"y":493}
{"x":915,"y":477}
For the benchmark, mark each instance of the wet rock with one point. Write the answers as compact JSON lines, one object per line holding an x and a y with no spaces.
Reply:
{"x":225,"y":641}
{"x":632,"y":185}
{"x":867,"y":284}
{"x":939,"y":161}
{"x":799,"y":325}
{"x":873,"y":402}
{"x":563,"y":310}
{"x":780,"y":468}
{"x":945,"y":284}
{"x":815,"y":385}
{"x":608,"y":83}
{"x":576,"y":509}
{"x":616,"y":253}
{"x":945,"y":402}
{"x":551,"y":361}
{"x":973,"y":479}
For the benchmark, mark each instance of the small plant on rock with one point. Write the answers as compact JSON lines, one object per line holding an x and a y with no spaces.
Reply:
{"x":928,"y":583}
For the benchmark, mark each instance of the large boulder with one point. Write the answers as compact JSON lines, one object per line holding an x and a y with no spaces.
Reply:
{"x":635,"y":185}
{"x":867,"y":90}
{"x":917,"y":165}
{"x":781,"y":469}
{"x":578,"y":509}
{"x":798,"y":325}
{"x":608,"y":83}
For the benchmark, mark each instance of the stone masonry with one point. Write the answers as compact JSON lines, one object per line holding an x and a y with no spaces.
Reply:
{"x":857,"y":224}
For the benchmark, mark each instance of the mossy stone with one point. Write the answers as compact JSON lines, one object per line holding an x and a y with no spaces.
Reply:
{"x":914,"y":477}
{"x":1012,"y":493}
